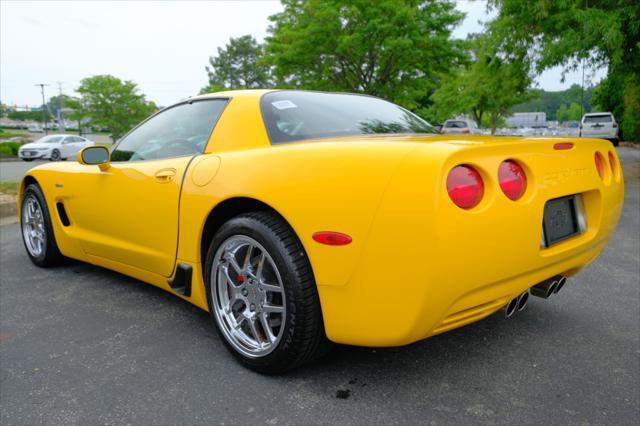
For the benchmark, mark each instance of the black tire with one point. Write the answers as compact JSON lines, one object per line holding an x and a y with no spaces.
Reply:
{"x":303,"y":337}
{"x":27,"y":159}
{"x":51,"y":255}
{"x":615,"y":141}
{"x":55,"y":155}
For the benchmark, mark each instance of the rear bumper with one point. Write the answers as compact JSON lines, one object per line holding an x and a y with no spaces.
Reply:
{"x":394,"y":312}
{"x":429,"y":267}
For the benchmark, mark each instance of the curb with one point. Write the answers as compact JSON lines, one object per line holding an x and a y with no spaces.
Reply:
{"x":8,"y":208}
{"x":630,"y":144}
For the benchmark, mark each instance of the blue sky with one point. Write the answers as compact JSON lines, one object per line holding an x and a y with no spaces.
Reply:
{"x":162,"y":46}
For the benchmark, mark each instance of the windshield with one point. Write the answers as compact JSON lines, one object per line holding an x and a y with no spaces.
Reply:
{"x":294,"y":116}
{"x":50,"y":139}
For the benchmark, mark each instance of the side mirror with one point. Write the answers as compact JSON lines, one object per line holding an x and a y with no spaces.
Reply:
{"x":95,"y":155}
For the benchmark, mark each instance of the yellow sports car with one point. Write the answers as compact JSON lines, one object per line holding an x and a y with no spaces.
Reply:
{"x":303,"y":218}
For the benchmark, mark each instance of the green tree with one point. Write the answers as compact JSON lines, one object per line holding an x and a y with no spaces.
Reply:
{"x":395,"y":49}
{"x":108,"y":102}
{"x":28,"y":116}
{"x":54,"y":103}
{"x":550,"y":102}
{"x":240,"y":65}
{"x":570,"y":32}
{"x":487,"y":88}
{"x":78,"y":112}
{"x":571,"y":113}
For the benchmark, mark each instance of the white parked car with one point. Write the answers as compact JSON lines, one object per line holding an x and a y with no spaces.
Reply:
{"x":34,"y":128}
{"x":460,"y":126}
{"x":53,"y":147}
{"x":600,"y":125}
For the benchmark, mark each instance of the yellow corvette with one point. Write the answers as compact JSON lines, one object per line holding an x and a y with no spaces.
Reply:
{"x":303,"y":218}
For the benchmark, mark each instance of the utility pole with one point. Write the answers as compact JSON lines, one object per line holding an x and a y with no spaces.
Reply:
{"x":60,"y":105}
{"x":44,"y":108}
{"x":586,"y":5}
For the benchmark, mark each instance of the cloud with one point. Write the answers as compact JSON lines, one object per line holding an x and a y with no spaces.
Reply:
{"x":34,"y":21}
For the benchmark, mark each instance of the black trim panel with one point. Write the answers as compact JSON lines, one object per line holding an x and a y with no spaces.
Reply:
{"x":181,"y":282}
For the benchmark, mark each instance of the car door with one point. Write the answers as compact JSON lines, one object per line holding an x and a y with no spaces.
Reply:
{"x":128,"y":213}
{"x":65,"y":146}
{"x":69,"y":146}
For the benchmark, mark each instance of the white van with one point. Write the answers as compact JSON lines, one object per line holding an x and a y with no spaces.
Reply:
{"x":599,"y":125}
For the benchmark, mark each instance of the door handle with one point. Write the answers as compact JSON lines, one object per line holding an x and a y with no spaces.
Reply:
{"x":165,"y":175}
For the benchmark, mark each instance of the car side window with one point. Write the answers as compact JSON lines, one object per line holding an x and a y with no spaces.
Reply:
{"x":182,"y":130}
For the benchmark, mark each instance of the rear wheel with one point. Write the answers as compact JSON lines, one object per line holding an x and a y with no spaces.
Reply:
{"x":37,"y":232}
{"x":262,"y":295}
{"x":615,"y":141}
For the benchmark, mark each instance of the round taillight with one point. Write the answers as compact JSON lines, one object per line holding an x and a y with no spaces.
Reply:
{"x":465,"y":186}
{"x":599,"y":164}
{"x":612,"y":162}
{"x":512,"y":179}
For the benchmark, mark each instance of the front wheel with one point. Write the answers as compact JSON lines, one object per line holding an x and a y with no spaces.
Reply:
{"x":262,"y":294}
{"x":37,"y":231}
{"x":55,"y":155}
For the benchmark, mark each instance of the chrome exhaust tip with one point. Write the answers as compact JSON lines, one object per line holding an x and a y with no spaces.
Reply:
{"x":561,"y":282}
{"x":545,"y":288}
{"x":523,"y":299}
{"x":511,"y":308}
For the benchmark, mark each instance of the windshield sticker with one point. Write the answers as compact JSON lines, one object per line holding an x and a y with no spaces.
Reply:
{"x":284,"y":104}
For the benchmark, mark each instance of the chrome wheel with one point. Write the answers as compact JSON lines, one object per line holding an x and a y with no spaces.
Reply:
{"x":33,"y":229}
{"x":248,"y":296}
{"x":55,"y":155}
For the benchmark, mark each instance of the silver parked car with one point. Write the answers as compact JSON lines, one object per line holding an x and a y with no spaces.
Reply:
{"x":53,"y":147}
{"x":460,"y":126}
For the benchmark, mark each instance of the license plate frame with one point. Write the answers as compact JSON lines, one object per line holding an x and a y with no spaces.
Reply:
{"x":563,"y":218}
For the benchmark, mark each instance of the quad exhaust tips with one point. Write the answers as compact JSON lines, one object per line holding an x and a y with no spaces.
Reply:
{"x":544,"y":289}
{"x":548,"y":287}
{"x":516,"y":304}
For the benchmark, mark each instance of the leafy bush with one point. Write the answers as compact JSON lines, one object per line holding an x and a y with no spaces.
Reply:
{"x":9,"y":148}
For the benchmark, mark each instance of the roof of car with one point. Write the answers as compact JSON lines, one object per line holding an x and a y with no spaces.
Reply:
{"x":245,"y":93}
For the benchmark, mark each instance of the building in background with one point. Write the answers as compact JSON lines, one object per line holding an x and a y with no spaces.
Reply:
{"x":527,"y":119}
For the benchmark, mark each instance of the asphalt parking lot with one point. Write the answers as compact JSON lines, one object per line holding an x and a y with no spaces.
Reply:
{"x":83,"y":345}
{"x":13,"y":171}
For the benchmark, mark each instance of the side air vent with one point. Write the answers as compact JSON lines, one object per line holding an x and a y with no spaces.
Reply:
{"x":63,"y":214}
{"x":181,"y":282}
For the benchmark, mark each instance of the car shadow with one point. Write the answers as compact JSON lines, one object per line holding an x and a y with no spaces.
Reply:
{"x":470,"y":346}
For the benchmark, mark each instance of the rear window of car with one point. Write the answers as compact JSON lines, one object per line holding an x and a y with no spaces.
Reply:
{"x":291,"y":116}
{"x":603,"y":118}
{"x":455,"y":124}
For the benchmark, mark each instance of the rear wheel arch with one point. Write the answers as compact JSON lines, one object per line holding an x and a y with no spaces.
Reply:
{"x":227,"y":210}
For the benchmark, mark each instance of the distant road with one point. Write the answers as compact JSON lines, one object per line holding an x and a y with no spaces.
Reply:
{"x":12,"y":171}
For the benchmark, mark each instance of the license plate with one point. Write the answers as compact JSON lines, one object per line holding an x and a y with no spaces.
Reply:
{"x":561,"y":219}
